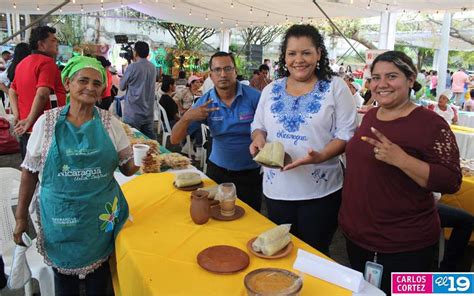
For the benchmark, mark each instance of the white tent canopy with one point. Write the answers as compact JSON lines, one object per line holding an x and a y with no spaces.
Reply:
{"x":242,"y":13}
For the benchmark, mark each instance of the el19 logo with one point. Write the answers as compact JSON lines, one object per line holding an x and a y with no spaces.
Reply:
{"x":453,"y":283}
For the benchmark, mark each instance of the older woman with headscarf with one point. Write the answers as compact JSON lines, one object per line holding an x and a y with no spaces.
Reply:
{"x":73,"y":152}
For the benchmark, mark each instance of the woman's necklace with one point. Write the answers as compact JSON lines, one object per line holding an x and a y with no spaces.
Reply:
{"x":392,"y":116}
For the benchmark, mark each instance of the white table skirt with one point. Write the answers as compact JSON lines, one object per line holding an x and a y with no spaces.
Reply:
{"x":465,"y":143}
{"x":466,"y":119}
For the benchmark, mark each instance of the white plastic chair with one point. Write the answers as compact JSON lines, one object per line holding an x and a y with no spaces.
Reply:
{"x":9,"y":182}
{"x":204,"y":132}
{"x":166,"y":127}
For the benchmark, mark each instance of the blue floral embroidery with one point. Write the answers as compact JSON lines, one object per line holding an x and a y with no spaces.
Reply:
{"x":269,"y":175}
{"x":291,"y":111}
{"x":318,"y":175}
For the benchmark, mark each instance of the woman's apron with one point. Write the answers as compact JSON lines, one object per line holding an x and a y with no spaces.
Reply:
{"x":82,"y":208}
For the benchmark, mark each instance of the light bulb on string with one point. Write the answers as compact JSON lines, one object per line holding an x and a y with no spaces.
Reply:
{"x":386,"y":8}
{"x":222,"y":20}
{"x":286,"y":18}
{"x":102,"y":6}
{"x":190,"y":12}
{"x":351,"y":2}
{"x":174,"y":7}
{"x":207,"y":17}
{"x":37,"y":7}
{"x":301,"y":21}
{"x":156,"y":1}
{"x":236,"y":24}
{"x":82,"y":8}
{"x":73,"y":1}
{"x":231,"y":4}
{"x":268,"y":13}
{"x":251,"y":10}
{"x":121,"y":3}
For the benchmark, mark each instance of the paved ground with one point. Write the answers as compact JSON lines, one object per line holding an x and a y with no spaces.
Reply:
{"x":337,"y":248}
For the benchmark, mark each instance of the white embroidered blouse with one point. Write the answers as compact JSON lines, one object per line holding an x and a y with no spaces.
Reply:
{"x":301,"y":123}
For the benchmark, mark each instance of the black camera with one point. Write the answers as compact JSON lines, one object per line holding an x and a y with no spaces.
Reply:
{"x":126,"y":50}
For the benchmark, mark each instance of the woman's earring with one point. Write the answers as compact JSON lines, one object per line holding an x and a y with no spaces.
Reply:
{"x":317,"y":65}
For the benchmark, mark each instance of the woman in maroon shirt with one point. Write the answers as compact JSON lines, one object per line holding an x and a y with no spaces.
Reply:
{"x":398,"y":156}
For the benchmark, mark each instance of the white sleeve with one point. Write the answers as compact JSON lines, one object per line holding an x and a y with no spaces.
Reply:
{"x":259,"y":117}
{"x":120,"y":140}
{"x":35,"y":144}
{"x":345,"y":109}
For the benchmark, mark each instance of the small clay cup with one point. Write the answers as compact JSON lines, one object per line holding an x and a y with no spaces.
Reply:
{"x":200,"y":207}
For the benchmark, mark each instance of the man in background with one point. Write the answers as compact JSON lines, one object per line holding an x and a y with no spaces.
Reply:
{"x":260,"y":80}
{"x":139,"y":82}
{"x":36,"y":78}
{"x":459,"y":79}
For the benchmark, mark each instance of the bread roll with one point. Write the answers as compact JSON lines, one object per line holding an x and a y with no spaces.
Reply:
{"x":187,"y":179}
{"x":272,"y":154}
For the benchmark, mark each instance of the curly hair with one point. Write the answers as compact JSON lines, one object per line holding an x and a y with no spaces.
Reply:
{"x":323,"y":72}
{"x":40,"y":34}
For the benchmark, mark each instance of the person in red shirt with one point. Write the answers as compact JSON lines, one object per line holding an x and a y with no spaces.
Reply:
{"x":108,"y":96}
{"x":36,"y":78}
{"x":400,"y":154}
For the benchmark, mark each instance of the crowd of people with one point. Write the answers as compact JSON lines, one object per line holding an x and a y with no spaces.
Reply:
{"x":382,"y":197}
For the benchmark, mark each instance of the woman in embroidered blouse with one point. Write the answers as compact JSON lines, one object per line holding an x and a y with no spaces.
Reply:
{"x":73,"y":152}
{"x":311,"y":112}
{"x":404,"y":152}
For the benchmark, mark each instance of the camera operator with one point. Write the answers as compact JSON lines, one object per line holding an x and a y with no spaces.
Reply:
{"x":139,"y":82}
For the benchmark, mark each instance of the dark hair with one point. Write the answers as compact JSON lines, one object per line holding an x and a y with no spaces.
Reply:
{"x":399,"y":59}
{"x":323,"y":71}
{"x":402,"y":62}
{"x":256,"y":71}
{"x":39,"y":34}
{"x":471,"y":93}
{"x":221,"y":54}
{"x":167,"y":83}
{"x":240,"y":77}
{"x":142,"y":49}
{"x":105,"y":62}
{"x":5,"y":52}
{"x":22,"y":50}
{"x":181,"y":74}
{"x":263,"y":67}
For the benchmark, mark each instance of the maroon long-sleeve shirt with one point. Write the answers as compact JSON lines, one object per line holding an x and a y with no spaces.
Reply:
{"x":382,"y":208}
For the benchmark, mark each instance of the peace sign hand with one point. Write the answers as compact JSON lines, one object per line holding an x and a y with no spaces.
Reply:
{"x":200,"y":113}
{"x":385,"y":150}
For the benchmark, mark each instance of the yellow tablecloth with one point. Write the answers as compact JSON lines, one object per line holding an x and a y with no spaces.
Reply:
{"x":156,"y":253}
{"x":463,"y":199}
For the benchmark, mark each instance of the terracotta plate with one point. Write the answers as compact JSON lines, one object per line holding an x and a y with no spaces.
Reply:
{"x":189,"y":188}
{"x":286,"y":161}
{"x":280,"y":254}
{"x":223,"y":259}
{"x":216,"y":213}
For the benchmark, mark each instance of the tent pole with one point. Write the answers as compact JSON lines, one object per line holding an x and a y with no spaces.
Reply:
{"x":4,"y":41}
{"x":337,"y":29}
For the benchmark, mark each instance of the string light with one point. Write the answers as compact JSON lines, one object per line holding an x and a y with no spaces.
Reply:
{"x":268,"y":13}
{"x":14,"y":5}
{"x":102,"y":6}
{"x":301,"y":21}
{"x":286,"y":18}
{"x":368,"y":5}
{"x":207,"y":17}
{"x":102,"y":1}
{"x":251,"y":10}
{"x":231,"y":4}
{"x":222,"y":20}
{"x":386,"y":8}
{"x":190,"y":12}
{"x":37,"y":7}
{"x":236,"y":24}
{"x":351,"y":2}
{"x":73,"y":1}
{"x":82,"y":8}
{"x":60,"y":10}
{"x":174,"y":6}
{"x":121,"y":3}
{"x":156,"y":1}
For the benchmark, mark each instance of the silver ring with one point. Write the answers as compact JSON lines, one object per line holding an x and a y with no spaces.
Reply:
{"x":376,"y":150}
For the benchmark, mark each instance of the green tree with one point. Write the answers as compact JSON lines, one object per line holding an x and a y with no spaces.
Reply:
{"x":187,"y":37}
{"x":69,"y":29}
{"x":351,"y":28}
